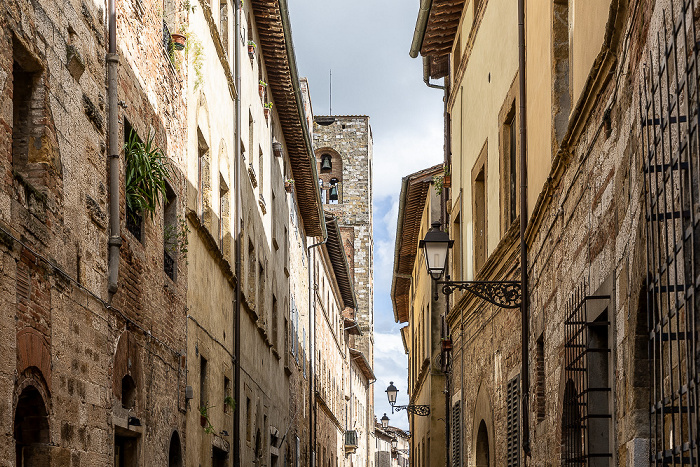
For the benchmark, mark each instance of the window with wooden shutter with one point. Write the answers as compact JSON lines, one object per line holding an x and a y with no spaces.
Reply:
{"x":456,"y":435}
{"x":513,"y":422}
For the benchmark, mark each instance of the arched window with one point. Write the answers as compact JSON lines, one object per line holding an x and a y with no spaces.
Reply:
{"x":482,"y":446}
{"x":31,"y":429}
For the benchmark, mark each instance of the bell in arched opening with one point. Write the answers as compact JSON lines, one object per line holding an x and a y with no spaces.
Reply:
{"x":326,"y":165}
{"x":333,"y":193}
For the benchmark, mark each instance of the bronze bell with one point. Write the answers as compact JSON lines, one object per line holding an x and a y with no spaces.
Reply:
{"x":325,"y":163}
{"x":333,"y":193}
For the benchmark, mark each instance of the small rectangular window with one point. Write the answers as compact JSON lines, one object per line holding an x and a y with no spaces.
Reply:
{"x":172,"y":233}
{"x":134,"y":218}
{"x":203,"y":395}
{"x":480,"y":211}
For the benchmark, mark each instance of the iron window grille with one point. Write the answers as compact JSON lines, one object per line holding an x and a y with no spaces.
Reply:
{"x":587,"y":413}
{"x":670,"y":119}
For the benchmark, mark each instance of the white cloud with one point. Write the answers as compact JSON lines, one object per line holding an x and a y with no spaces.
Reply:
{"x":404,"y":151}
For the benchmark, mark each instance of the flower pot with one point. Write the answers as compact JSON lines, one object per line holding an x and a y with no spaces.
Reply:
{"x":267,"y":113}
{"x":447,"y":181}
{"x":251,"y":50}
{"x":261,"y":90}
{"x":446,"y":345}
{"x":178,"y":41}
{"x":288,"y":187}
{"x":203,"y":420}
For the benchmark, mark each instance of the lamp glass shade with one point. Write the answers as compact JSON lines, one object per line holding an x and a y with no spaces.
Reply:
{"x":385,"y":421}
{"x":435,"y":246}
{"x":394,"y":443}
{"x":391,"y":393}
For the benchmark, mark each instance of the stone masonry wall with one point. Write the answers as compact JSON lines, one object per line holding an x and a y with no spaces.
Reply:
{"x":351,"y":139}
{"x":63,"y":337}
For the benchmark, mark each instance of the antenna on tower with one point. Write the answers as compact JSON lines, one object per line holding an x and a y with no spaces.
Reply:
{"x":330,"y":92}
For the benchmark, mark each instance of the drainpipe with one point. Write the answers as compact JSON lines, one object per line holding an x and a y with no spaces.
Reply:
{"x":421,"y":23}
{"x":426,"y":77}
{"x":448,"y":161}
{"x":238,"y":238}
{"x":312,"y":357}
{"x":525,"y":297}
{"x":115,"y":239}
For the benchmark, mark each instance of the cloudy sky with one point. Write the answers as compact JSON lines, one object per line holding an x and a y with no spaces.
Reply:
{"x":365,"y":43}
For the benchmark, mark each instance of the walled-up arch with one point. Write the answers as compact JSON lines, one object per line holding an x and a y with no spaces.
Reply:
{"x":126,"y":375}
{"x":482,"y":432}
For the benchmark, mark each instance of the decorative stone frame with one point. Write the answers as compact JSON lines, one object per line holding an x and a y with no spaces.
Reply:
{"x":480,"y":167}
{"x":510,"y":111}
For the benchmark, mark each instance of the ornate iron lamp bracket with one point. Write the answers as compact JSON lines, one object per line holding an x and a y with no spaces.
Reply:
{"x":505,"y":294}
{"x":420,"y":410}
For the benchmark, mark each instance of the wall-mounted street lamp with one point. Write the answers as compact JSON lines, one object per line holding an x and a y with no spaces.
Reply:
{"x":385,"y":421}
{"x":394,"y":443}
{"x":435,"y":245}
{"x":420,"y":410}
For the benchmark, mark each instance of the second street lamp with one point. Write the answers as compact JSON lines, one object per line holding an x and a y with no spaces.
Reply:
{"x":436,"y":244}
{"x":420,"y":410}
{"x":385,"y":421}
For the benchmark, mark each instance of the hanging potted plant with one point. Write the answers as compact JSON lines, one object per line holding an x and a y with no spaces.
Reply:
{"x":447,"y":179}
{"x":261,"y":88}
{"x":446,"y":343}
{"x":267,"y":107}
{"x":251,"y":49}
{"x":288,"y":185}
{"x":179,"y":41}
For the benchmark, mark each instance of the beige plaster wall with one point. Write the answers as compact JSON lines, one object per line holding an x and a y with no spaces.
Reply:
{"x":492,"y":65}
{"x":539,"y":97}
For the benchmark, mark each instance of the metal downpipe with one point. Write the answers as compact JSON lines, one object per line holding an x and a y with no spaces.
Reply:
{"x":113,"y":147}
{"x":238,"y":239}
{"x":525,"y":298}
{"x":426,"y":78}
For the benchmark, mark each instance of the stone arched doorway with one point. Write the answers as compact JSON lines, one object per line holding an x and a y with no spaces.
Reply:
{"x":175,"y":451}
{"x":31,"y":429}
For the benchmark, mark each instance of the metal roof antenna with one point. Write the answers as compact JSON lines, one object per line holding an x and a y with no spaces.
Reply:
{"x":330,"y":92}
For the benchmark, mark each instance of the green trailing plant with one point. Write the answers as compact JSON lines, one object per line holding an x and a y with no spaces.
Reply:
{"x":195,"y":52}
{"x":252,"y":44}
{"x":267,"y":105}
{"x":262,"y":83}
{"x":230,"y":402}
{"x":204,"y":413}
{"x":189,"y":6}
{"x":438,"y":181}
{"x":175,"y":237}
{"x":147,"y":171}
